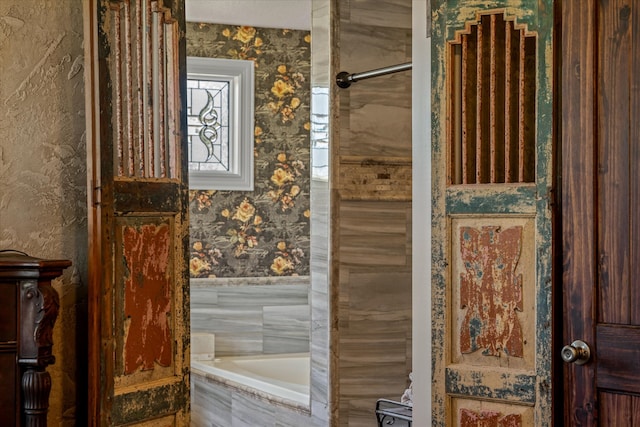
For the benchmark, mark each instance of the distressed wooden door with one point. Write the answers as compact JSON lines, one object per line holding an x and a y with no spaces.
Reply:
{"x":492,"y":210}
{"x":601,"y":209}
{"x":138,"y":269}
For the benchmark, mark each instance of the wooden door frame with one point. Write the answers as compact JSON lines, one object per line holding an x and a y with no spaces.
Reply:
{"x":556,"y":292}
{"x":92,"y":118}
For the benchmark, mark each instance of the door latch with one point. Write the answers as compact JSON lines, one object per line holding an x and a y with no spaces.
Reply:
{"x":578,"y":352}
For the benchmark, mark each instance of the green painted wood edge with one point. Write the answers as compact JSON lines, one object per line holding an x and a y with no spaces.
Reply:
{"x":514,"y":387}
{"x":152,"y":403}
{"x":491,"y":199}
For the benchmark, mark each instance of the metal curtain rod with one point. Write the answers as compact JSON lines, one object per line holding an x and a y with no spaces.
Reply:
{"x":345,"y":79}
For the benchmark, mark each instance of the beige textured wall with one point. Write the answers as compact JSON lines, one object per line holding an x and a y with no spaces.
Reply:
{"x":42,"y":168}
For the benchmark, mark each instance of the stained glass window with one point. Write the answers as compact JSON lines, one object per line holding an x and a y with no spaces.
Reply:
{"x":208,"y":124}
{"x":220,"y":111}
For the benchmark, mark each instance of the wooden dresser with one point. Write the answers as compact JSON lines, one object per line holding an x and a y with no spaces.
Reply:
{"x":27,"y":316}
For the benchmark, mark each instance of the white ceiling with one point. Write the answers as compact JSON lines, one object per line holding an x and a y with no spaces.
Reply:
{"x":290,"y":14}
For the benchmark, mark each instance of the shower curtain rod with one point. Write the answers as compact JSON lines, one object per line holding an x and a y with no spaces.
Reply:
{"x":345,"y":79}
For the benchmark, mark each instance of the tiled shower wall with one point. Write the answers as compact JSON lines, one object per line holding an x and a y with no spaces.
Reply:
{"x":372,"y":213}
{"x":253,"y":316}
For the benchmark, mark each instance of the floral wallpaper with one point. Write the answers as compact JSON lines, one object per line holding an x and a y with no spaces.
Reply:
{"x":264,"y":232}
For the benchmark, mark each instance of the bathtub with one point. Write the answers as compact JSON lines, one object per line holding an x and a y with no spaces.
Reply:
{"x":282,"y":378}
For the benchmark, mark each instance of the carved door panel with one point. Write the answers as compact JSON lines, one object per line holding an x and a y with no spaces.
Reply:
{"x":600,"y":209}
{"x":139,"y":331}
{"x":491,"y":224}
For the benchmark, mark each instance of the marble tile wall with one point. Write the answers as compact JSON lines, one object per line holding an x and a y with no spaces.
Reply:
{"x":324,"y":13}
{"x":257,"y":316}
{"x":371,"y":220}
{"x":374,"y":306}
{"x":320,"y":347}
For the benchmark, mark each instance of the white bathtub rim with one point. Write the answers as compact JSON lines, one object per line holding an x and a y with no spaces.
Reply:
{"x":290,"y":395}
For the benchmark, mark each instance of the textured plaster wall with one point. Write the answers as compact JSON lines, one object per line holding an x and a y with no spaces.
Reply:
{"x":42,"y":168}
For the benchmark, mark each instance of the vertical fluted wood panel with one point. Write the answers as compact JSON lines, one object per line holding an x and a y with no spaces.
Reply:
{"x":143,"y":36}
{"x":129,"y":85}
{"x":117,"y":86}
{"x":493,"y":105}
{"x":479,"y":103}
{"x":149,"y":90}
{"x":140,"y":93}
{"x":464,"y":110}
{"x":496,"y":102}
{"x":521,"y":118}
{"x":162,"y":100}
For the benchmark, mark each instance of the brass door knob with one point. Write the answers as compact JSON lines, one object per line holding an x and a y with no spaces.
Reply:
{"x":578,"y":352}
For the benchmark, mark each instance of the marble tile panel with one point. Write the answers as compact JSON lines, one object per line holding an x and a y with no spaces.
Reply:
{"x":286,"y":329}
{"x":373,"y":384}
{"x":379,"y":349}
{"x":356,"y":250}
{"x":373,"y":248}
{"x":320,"y":286}
{"x":367,"y":47}
{"x":319,"y":381}
{"x":246,"y":412}
{"x":362,"y":413}
{"x":203,"y":297}
{"x":210,"y":404}
{"x":320,"y":413}
{"x":217,"y":319}
{"x":319,"y":319}
{"x":215,"y":405}
{"x":259,"y":296}
{"x":238,"y":343}
{"x":289,"y":418}
{"x":389,"y":137}
{"x":364,"y":217}
{"x":380,"y":295}
{"x":380,"y":13}
{"x":387,"y":92}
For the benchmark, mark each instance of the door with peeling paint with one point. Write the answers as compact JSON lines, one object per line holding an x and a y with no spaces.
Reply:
{"x":139,"y":317}
{"x":492,"y":212}
{"x":600,"y":83}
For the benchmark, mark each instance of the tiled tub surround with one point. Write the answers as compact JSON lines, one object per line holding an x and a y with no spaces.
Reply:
{"x":259,"y":315}
{"x":253,"y":320}
{"x":222,"y":403}
{"x":280,"y":378}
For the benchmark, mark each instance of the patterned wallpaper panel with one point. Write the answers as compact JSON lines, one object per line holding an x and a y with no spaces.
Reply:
{"x":263,"y":232}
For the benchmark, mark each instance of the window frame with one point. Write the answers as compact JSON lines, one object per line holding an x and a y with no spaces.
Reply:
{"x":240,"y":75}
